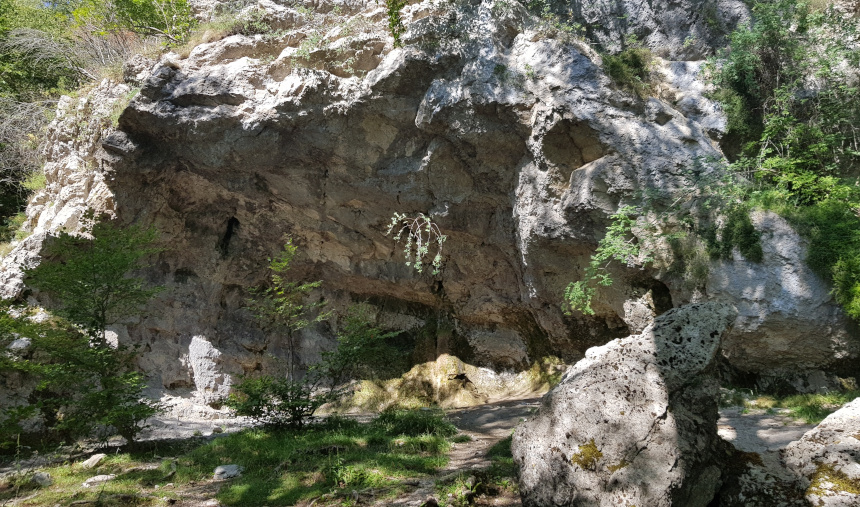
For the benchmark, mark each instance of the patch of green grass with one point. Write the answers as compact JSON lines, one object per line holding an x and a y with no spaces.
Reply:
{"x":630,"y":69}
{"x":288,"y":466}
{"x":281,"y":467}
{"x":810,"y":408}
{"x":134,"y":484}
{"x":499,"y":480}
{"x":415,"y":422}
{"x":503,"y":471}
{"x":813,"y":408}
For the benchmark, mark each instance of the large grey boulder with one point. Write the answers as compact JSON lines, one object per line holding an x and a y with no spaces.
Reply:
{"x":827,"y":459}
{"x":781,"y":303}
{"x":634,"y":423}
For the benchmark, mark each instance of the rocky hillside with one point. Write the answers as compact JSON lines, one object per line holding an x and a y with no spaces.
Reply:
{"x":500,"y":125}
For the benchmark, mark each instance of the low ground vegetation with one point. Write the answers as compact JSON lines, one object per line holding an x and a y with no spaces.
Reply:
{"x":809,"y":408}
{"x":330,"y":461}
{"x":480,"y":487}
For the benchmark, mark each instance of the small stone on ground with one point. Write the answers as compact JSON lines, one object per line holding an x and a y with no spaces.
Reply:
{"x":227,"y":472}
{"x":98,"y":479}
{"x":93,"y":460}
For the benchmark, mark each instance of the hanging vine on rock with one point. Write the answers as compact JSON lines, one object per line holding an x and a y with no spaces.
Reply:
{"x":421,"y":233}
{"x":395,"y":22}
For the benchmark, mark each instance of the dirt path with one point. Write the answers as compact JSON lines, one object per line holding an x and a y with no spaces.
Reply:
{"x":759,"y":432}
{"x":486,"y":425}
{"x":762,"y":433}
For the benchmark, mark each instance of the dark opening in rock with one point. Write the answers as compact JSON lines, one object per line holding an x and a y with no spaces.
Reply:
{"x":224,"y":244}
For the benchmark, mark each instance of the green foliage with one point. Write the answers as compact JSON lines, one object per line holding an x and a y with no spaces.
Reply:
{"x":87,"y":274}
{"x":170,"y":19}
{"x":787,"y":85}
{"x":810,"y":408}
{"x":284,"y":400}
{"x":335,"y":458}
{"x":281,"y":402}
{"x":283,"y":305}
{"x":618,"y":244}
{"x":813,"y":408}
{"x":87,"y":386}
{"x":83,"y":389}
{"x":35,"y":181}
{"x":631,"y":68}
{"x":362,"y":351}
{"x":29,"y":78}
{"x":325,"y":462}
{"x":421,"y":234}
{"x":549,"y":22}
{"x":395,"y":22}
{"x":415,"y":422}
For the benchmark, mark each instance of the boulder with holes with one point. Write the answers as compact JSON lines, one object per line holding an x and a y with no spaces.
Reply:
{"x":634,"y":423}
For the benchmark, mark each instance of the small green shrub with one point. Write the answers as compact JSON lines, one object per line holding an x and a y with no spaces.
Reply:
{"x":280,"y":402}
{"x":362,"y":350}
{"x":283,"y":305}
{"x":36,"y":180}
{"x":395,"y":22}
{"x":630,"y":69}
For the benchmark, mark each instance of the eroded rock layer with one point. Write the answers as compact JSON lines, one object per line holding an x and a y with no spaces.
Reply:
{"x":507,"y":134}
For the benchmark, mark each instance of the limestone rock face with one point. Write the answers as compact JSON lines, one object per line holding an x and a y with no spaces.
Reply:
{"x":74,"y":178}
{"x":514,"y":143}
{"x":634,"y":423}
{"x":781,"y":303}
{"x":679,"y":30}
{"x":827,"y":459}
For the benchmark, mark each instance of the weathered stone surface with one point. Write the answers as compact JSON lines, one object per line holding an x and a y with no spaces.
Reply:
{"x":98,"y":480}
{"x":515,"y":144}
{"x":634,"y":423}
{"x":753,"y":480}
{"x":227,"y":472}
{"x":827,"y":459}
{"x":781,"y":303}
{"x":94,"y":460}
{"x":678,"y":30}
{"x":42,"y":479}
{"x":211,"y":383}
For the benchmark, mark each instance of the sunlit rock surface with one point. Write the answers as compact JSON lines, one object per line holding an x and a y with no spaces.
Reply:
{"x":634,"y":423}
{"x":514,"y":142}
